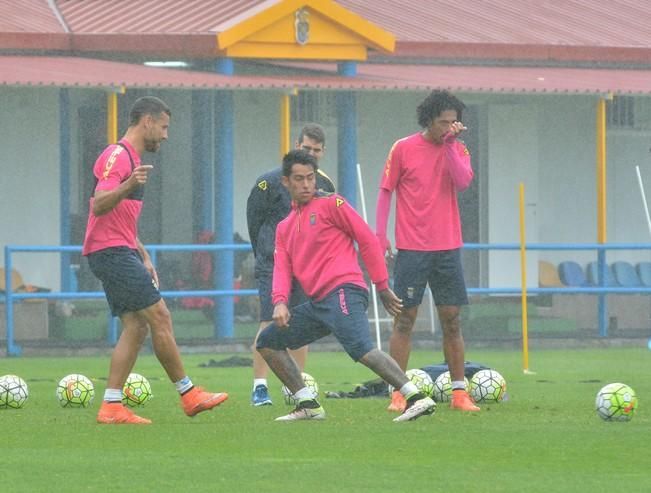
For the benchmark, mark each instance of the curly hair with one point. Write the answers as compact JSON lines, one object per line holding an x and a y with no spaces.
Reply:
{"x":435,"y":104}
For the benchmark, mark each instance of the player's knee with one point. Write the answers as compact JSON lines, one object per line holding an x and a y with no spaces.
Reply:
{"x":264,"y":339}
{"x":159,"y":317}
{"x":404,"y":323}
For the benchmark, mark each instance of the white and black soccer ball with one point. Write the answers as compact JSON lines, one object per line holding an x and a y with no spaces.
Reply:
{"x":75,"y":390}
{"x":487,"y":386}
{"x":136,"y":391}
{"x":442,"y":388}
{"x":616,"y":402}
{"x":310,"y":383}
{"x":13,"y":392}
{"x":421,"y":379}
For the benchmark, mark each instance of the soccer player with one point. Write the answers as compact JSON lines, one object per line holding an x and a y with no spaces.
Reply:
{"x":267,"y":205}
{"x":426,"y":170}
{"x":315,"y":245}
{"x":118,"y":258}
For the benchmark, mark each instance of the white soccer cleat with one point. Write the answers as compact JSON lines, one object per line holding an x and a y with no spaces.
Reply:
{"x":301,"y":413}
{"x":421,"y":407}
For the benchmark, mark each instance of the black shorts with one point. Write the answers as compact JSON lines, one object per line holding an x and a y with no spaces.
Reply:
{"x":264,"y":281}
{"x":341,"y":313}
{"x":442,"y":270}
{"x":128,"y":285}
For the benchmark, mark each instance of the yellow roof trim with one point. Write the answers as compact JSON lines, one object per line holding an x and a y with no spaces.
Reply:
{"x":270,"y":12}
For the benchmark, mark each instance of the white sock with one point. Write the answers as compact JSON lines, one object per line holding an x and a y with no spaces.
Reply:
{"x":458,"y":385}
{"x":183,"y":385}
{"x":303,"y":394}
{"x":259,"y":381}
{"x":408,"y":389}
{"x":113,"y":395}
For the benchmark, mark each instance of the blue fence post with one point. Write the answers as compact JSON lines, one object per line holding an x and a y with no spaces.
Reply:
{"x":12,"y":349}
{"x":602,"y":307}
{"x":112,"y":334}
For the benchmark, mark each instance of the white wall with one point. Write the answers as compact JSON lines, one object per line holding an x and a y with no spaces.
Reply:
{"x":29,"y":183}
{"x":512,"y":159}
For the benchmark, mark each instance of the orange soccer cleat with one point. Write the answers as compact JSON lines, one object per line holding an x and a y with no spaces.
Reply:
{"x":398,"y":402}
{"x":116,"y":414}
{"x":462,"y":401}
{"x":197,"y":400}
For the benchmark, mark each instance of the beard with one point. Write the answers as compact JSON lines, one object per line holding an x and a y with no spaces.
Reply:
{"x":152,"y":145}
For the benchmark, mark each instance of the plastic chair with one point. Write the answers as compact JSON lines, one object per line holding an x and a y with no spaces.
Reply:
{"x":571,"y":274}
{"x":593,"y":275}
{"x":548,"y":275}
{"x":16,"y":280}
{"x":625,"y":275}
{"x":644,"y":272}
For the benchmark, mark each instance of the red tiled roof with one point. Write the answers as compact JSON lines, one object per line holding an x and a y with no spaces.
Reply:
{"x":559,"y":30}
{"x":83,"y":72}
{"x":28,"y":16}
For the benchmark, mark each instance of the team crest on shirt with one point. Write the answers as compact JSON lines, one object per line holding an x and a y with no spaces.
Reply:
{"x":262,"y":185}
{"x":313,"y":219}
{"x":339,"y":201}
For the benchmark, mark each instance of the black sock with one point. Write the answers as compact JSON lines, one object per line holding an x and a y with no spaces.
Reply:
{"x":416,"y":397}
{"x":309,"y":404}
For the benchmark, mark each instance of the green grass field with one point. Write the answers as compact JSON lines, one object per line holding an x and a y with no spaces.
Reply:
{"x":546,"y":437}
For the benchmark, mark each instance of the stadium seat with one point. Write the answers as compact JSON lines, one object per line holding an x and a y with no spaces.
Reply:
{"x":644,"y":272}
{"x":16,"y":280}
{"x":625,"y":275}
{"x":571,"y":274}
{"x":548,"y":275}
{"x":593,"y":275}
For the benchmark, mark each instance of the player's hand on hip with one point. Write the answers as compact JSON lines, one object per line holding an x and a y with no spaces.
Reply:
{"x":391,"y":302}
{"x":281,"y":315}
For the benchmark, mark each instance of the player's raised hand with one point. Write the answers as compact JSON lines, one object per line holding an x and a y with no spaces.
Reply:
{"x":140,"y":174}
{"x":455,"y":129}
{"x":391,"y":302}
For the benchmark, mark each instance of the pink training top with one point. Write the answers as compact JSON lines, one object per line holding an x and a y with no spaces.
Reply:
{"x":119,"y":226}
{"x":314,"y":244}
{"x":426,"y":177}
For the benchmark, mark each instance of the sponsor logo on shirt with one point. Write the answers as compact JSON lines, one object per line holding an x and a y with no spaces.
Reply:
{"x":262,"y":185}
{"x":312,"y":218}
{"x":339,"y":202}
{"x":342,"y":301}
{"x":111,"y":161}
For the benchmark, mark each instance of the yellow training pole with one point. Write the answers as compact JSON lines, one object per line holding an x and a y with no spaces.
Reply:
{"x":601,"y":171}
{"x":112,"y":115}
{"x":523,"y":270}
{"x":285,"y":124}
{"x":112,"y":118}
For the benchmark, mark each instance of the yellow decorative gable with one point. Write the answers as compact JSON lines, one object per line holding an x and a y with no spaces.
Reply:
{"x":301,"y":29}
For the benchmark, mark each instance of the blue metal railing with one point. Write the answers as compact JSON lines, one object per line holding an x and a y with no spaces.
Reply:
{"x":601,"y":291}
{"x":11,"y":297}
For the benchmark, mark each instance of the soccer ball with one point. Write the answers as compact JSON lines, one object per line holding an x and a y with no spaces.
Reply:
{"x":136,"y":391}
{"x":487,"y":386}
{"x":616,"y":402}
{"x":13,"y":392}
{"x":442,"y":388}
{"x":421,"y":379}
{"x":310,"y":383}
{"x":75,"y":391}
